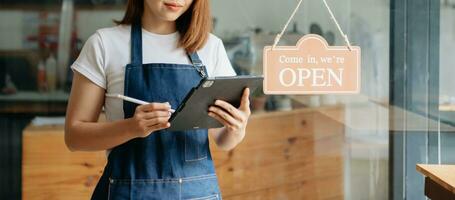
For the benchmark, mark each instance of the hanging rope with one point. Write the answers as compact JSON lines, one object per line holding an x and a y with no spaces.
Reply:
{"x":279,"y":35}
{"x":346,"y":39}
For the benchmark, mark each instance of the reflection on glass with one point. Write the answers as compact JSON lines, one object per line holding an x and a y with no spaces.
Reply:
{"x":360,"y":142}
{"x":446,"y":81}
{"x":297,"y":146}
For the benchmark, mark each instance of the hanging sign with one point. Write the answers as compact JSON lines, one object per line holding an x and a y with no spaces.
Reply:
{"x":311,"y":67}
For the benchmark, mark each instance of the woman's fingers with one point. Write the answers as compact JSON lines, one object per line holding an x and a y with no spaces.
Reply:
{"x":154,"y":107}
{"x":150,"y":117}
{"x":241,"y":114}
{"x":156,"y":121}
{"x":220,"y":119}
{"x":233,"y":111}
{"x":219,"y":113}
{"x":155,"y":114}
{"x":245,"y":102}
{"x":159,"y":127}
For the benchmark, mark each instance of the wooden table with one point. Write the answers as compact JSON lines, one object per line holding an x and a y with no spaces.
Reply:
{"x":439,"y":181}
{"x":294,"y":154}
{"x":51,"y":171}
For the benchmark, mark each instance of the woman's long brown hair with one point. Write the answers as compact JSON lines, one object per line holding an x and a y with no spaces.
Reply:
{"x":194,"y":25}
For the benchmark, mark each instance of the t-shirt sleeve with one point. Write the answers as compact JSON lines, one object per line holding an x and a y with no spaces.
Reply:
{"x":223,"y":66}
{"x":90,"y":62}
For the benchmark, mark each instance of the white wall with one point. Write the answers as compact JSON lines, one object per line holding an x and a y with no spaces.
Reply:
{"x":11,"y":34}
{"x":89,"y":21}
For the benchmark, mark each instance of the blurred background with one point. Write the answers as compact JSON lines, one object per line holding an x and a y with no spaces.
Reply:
{"x":363,"y":146}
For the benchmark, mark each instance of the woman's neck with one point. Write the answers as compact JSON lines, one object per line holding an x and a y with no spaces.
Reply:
{"x":153,"y":24}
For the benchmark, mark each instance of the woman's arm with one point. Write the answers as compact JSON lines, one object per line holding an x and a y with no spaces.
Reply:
{"x":234,"y":120}
{"x":83,"y":132}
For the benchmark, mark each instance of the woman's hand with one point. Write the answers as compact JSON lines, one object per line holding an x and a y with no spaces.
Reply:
{"x":83,"y":131}
{"x":234,"y":119}
{"x":149,"y":118}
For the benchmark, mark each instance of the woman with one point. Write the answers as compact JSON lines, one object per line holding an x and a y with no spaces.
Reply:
{"x":145,"y":161}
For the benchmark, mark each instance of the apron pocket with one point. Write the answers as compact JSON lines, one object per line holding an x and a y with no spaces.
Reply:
{"x":143,"y":189}
{"x":196,"y":145}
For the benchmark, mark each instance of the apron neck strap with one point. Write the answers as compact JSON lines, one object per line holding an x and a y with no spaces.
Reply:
{"x":197,"y":63}
{"x":136,"y":47}
{"x":136,"y":43}
{"x":194,"y":58}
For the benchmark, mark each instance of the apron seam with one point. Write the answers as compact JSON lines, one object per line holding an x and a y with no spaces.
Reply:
{"x":210,"y":197}
{"x":109,"y":191}
{"x":171,"y":180}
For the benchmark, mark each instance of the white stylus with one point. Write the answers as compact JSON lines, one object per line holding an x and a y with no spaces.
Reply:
{"x":132,"y":100}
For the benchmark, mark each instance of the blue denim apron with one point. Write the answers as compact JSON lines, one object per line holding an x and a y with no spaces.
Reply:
{"x":166,"y":164}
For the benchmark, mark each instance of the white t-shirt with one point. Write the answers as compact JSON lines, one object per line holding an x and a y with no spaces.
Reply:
{"x":106,"y":53}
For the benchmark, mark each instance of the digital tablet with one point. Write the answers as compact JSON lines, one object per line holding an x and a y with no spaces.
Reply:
{"x":192,"y":113}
